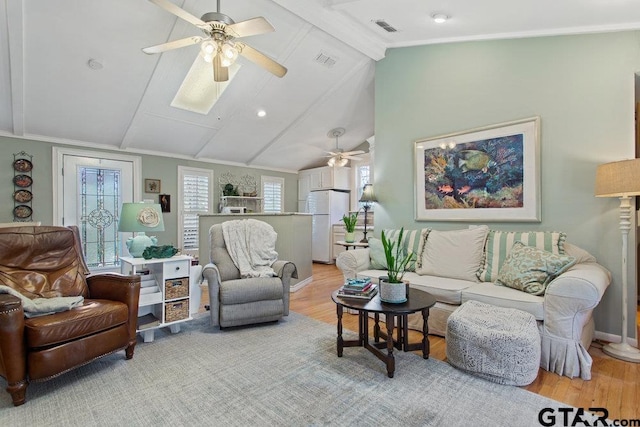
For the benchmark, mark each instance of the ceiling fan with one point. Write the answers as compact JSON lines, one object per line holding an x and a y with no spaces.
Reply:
{"x":340,"y":157}
{"x":220,"y":46}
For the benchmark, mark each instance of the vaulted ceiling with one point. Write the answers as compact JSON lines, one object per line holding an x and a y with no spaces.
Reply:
{"x":49,"y":91}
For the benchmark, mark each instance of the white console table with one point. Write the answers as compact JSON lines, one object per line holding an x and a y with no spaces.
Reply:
{"x":164,"y":292}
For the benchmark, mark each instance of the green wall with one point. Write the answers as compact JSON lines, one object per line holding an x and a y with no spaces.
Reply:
{"x":162,"y":168}
{"x":581,"y":87}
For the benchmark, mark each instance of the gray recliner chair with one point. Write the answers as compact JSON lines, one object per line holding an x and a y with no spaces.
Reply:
{"x":236,"y":301}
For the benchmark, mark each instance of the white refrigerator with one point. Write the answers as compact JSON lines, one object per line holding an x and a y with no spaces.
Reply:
{"x":327,"y":207}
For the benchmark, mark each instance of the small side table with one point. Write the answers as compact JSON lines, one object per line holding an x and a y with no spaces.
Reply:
{"x":353,"y":245}
{"x":417,"y":301}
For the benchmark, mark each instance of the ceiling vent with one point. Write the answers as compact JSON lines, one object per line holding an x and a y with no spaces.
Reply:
{"x":326,"y":60}
{"x":385,"y":25}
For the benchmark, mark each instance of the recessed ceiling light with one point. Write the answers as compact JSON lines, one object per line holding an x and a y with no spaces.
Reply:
{"x":439,"y":18}
{"x":262,"y":113}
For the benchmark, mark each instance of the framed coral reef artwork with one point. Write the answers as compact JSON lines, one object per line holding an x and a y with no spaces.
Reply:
{"x":485,"y":174}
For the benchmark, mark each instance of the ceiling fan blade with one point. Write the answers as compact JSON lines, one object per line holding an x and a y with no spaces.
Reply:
{"x":172,"y":45}
{"x":261,"y":59}
{"x":250,"y":27}
{"x":220,"y":73}
{"x":351,"y":157}
{"x":351,"y":153}
{"x":180,"y":13}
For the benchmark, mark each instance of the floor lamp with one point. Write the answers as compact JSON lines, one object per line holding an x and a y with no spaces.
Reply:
{"x":368,"y":197}
{"x":621,"y":179}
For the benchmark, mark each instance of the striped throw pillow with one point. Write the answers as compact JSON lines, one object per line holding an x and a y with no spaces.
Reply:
{"x":499,"y":243}
{"x":411,"y":241}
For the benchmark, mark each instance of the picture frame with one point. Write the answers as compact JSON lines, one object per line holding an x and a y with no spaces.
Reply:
{"x":152,"y":185}
{"x":484,"y":174}
{"x":165,"y":202}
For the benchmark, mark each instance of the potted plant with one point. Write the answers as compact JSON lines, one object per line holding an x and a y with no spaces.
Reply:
{"x":350,"y":221}
{"x":392,"y":288}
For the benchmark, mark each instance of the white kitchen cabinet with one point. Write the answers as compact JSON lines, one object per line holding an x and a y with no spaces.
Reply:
{"x":323,"y":178}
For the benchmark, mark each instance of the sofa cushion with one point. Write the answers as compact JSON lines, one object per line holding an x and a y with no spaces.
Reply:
{"x":444,"y":289}
{"x":530,"y":269}
{"x":499,"y":244}
{"x":376,"y":252}
{"x":411,"y":242}
{"x":93,"y":316}
{"x":505,"y":297}
{"x":456,"y":254}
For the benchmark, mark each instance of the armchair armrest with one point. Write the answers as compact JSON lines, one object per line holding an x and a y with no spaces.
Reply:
{"x":351,"y":262}
{"x":116,"y":287}
{"x":211,"y":274}
{"x":570,"y":299}
{"x":13,"y":359}
{"x":285,"y":270}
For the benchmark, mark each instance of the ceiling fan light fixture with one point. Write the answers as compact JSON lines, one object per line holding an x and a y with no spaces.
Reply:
{"x":209,"y":48}
{"x":229,"y":50}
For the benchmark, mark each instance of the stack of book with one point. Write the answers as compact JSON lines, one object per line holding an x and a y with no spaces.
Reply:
{"x":358,"y":288}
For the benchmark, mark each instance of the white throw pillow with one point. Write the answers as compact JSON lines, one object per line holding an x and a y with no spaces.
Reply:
{"x":457,"y":254}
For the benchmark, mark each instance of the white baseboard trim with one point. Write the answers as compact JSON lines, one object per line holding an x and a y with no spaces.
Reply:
{"x":301,"y":284}
{"x":614,"y":338}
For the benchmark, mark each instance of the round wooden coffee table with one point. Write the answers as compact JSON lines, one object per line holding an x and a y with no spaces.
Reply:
{"x":416,"y":301}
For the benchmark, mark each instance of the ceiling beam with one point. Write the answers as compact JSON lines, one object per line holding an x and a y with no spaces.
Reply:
{"x":15,"y":26}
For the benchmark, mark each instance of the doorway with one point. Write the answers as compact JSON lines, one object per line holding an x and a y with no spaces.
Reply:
{"x":91,"y":188}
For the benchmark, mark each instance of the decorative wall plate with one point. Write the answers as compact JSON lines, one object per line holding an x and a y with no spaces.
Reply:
{"x":22,"y":180}
{"x":23,"y":165}
{"x":22,"y":196}
{"x":22,"y":211}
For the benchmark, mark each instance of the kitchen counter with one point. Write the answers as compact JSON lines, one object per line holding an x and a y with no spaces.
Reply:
{"x":293,"y":243}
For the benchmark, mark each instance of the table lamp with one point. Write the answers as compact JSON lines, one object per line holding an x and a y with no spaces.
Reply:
{"x":621,"y":179}
{"x":140,"y":218}
{"x":368,"y":197}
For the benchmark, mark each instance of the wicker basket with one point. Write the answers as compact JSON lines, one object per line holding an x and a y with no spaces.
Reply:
{"x":176,"y":310}
{"x":176,"y":288}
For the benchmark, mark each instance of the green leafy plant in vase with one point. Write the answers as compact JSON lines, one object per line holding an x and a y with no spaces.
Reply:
{"x":350,"y":220}
{"x":392,"y":288}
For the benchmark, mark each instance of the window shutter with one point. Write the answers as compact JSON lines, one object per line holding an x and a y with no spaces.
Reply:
{"x":272,"y":193}
{"x":196,"y":199}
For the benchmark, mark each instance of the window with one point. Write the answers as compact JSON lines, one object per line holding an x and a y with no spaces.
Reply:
{"x":362,"y":177}
{"x":272,"y":194}
{"x":195,"y":197}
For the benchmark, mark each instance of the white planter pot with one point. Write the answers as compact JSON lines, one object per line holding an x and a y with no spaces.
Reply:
{"x":350,"y":237}
{"x":395,"y":293}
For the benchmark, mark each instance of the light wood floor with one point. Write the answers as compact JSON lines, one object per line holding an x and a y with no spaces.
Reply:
{"x":615,"y":385}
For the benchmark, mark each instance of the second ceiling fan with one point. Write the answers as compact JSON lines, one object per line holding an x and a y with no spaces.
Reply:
{"x":220,"y":46}
{"x":340,"y":157}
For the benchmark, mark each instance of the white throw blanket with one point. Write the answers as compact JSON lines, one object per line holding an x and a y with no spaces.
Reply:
{"x":252,"y":246}
{"x":42,"y":306}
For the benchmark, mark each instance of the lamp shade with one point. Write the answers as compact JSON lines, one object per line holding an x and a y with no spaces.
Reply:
{"x":367,"y":194}
{"x":618,"y":179}
{"x":141,"y":217}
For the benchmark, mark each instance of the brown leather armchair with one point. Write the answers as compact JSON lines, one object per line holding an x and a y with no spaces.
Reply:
{"x":47,"y":262}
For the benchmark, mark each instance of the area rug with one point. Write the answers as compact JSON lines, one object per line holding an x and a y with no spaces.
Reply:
{"x":278,"y":374}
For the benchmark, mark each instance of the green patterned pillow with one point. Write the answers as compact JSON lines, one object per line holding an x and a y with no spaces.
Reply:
{"x":376,"y":254}
{"x":411,"y":241}
{"x":530,"y":269}
{"x":499,"y":243}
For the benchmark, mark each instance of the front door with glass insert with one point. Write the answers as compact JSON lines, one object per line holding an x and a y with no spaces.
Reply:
{"x":94,"y":190}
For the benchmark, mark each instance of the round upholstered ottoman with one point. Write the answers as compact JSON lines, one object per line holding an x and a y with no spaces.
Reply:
{"x":498,"y":344}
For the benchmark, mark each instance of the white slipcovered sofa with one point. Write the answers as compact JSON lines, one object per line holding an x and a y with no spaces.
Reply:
{"x":560,"y":284}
